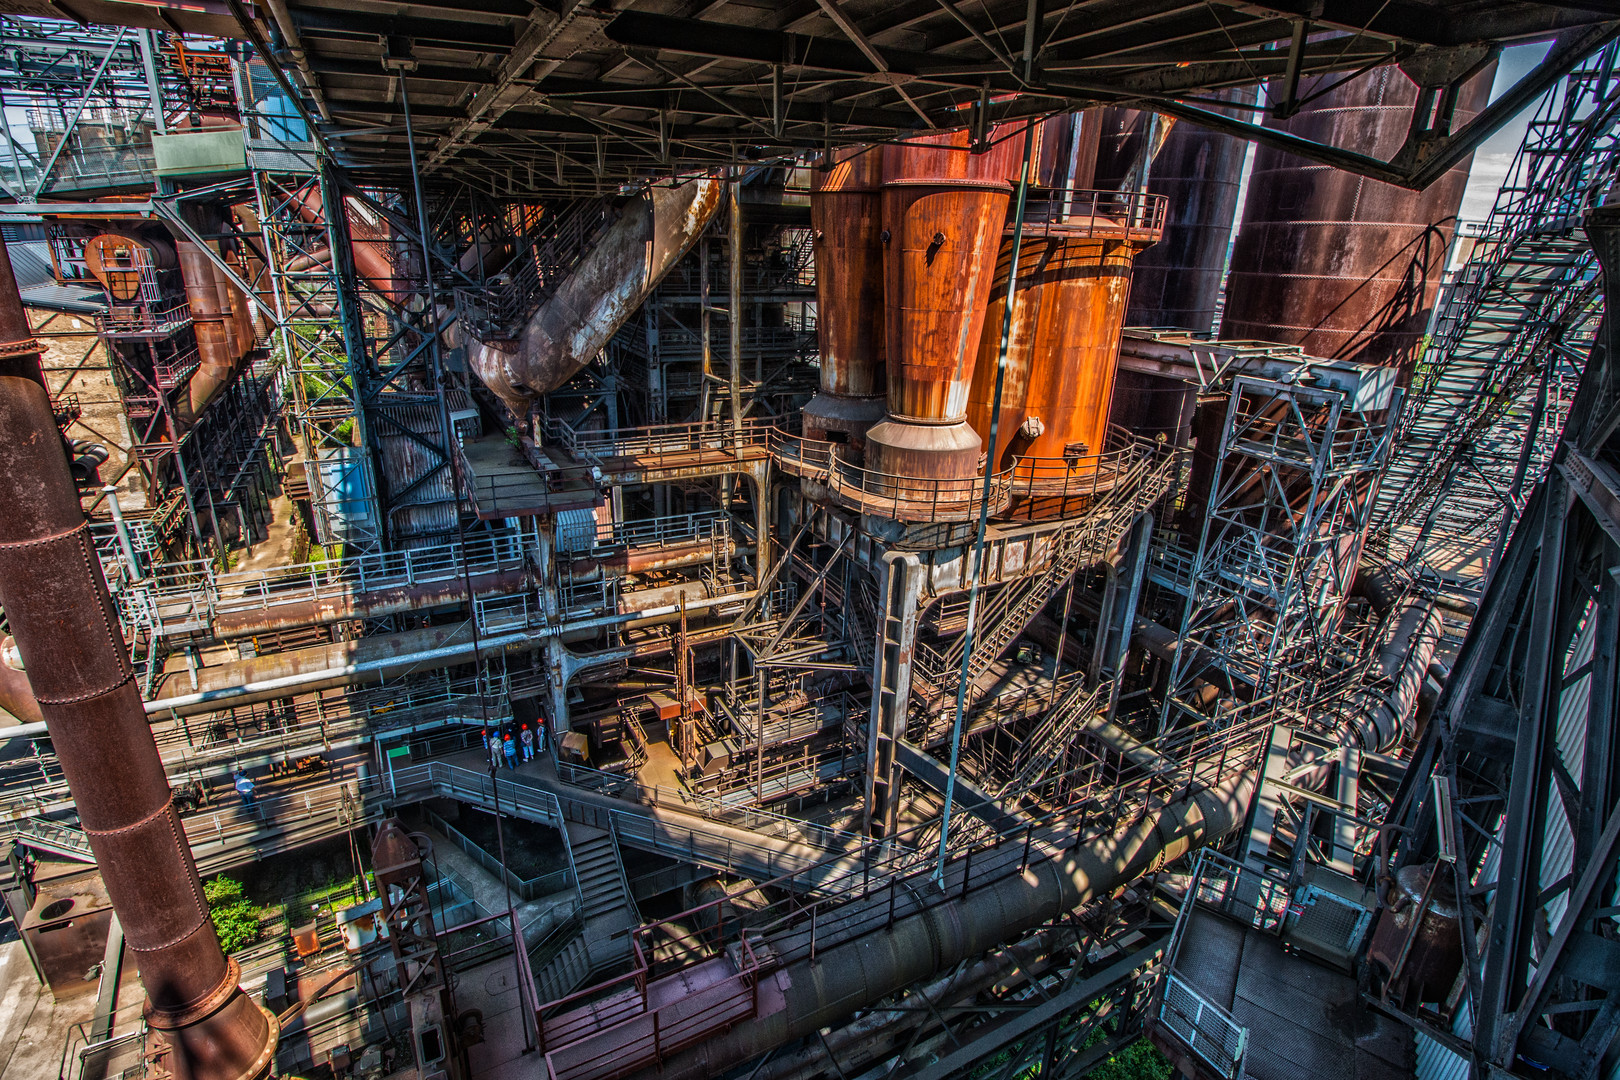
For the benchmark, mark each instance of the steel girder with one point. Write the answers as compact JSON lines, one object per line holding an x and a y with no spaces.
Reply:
{"x":1519,"y":773}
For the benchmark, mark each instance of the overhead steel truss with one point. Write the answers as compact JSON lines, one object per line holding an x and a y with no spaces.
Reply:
{"x":591,"y":97}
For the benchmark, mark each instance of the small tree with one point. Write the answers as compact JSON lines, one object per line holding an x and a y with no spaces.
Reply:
{"x":236,"y":919}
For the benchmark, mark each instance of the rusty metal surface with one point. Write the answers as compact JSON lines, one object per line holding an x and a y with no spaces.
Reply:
{"x":1067,"y":318}
{"x":366,"y":605}
{"x":574,"y":324}
{"x":846,"y":216}
{"x":1035,"y":263}
{"x":57,"y":606}
{"x":944,"y":229}
{"x":1344,"y":266}
{"x":215,"y":358}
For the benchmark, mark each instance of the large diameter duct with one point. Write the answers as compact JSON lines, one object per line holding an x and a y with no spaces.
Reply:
{"x":576,"y":321}
{"x":1340,"y":265}
{"x":216,"y":358}
{"x":370,"y":256}
{"x":57,"y":606}
{"x":847,"y":221}
{"x":229,"y":320}
{"x":863,"y":971}
{"x":943,"y":212}
{"x":1067,"y":320}
{"x":1382,"y":713}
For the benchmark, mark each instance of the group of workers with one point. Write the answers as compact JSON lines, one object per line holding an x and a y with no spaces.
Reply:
{"x":510,"y":748}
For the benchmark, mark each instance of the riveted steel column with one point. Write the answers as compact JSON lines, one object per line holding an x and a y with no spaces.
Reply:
{"x":66,"y":630}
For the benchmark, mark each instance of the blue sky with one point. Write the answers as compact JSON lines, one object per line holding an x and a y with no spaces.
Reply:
{"x":1492,"y":159}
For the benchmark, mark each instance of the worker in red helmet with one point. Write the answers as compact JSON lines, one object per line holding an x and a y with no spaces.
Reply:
{"x":528,"y":744}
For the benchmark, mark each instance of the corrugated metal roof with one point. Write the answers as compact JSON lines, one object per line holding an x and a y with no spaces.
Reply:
{"x":70,"y":298}
{"x":31,"y":263}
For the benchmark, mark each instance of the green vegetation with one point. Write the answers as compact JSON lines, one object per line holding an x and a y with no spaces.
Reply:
{"x":1140,"y":1060}
{"x":236,"y":919}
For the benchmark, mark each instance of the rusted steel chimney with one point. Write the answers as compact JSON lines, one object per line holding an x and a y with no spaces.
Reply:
{"x":943,"y":213}
{"x":846,"y":215}
{"x":56,"y":602}
{"x":1343,"y":266}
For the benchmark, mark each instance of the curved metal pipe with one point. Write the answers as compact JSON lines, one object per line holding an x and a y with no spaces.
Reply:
{"x":576,"y":321}
{"x":216,"y":357}
{"x":863,"y":971}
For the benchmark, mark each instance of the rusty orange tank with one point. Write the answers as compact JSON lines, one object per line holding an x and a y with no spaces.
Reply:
{"x":847,"y":218}
{"x":1074,"y":285}
{"x":943,"y":212}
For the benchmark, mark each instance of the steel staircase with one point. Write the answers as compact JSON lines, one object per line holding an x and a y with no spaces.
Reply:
{"x":608,"y":911}
{"x":500,"y":309}
{"x":1489,"y":399}
{"x":1044,"y":746}
{"x":57,"y":839}
{"x":1011,"y":607}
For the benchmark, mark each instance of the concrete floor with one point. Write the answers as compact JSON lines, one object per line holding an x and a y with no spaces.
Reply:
{"x":492,"y":989}
{"x":34,"y":1028}
{"x":276,"y":549}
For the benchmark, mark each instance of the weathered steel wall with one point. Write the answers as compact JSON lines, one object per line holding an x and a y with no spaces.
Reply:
{"x":1344,"y":266}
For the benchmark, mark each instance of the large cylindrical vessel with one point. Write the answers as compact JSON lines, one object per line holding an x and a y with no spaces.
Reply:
{"x":943,"y":213}
{"x":846,"y":214}
{"x":1075,"y":296}
{"x":1177,"y":282}
{"x":1340,"y":265}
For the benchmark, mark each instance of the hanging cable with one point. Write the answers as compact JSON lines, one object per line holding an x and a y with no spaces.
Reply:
{"x":984,"y":504}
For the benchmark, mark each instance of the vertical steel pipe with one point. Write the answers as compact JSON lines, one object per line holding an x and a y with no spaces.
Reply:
{"x":215,"y":358}
{"x":58,"y":609}
{"x":846,"y":218}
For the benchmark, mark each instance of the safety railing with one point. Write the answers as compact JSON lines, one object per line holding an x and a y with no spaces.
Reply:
{"x":1205,"y":1028}
{"x":262,"y":590}
{"x":902,"y":498}
{"x":142,"y":320}
{"x":469,"y":785}
{"x":498,"y":309}
{"x":653,"y":1033}
{"x":501,"y":614}
{"x":171,"y":371}
{"x":526,"y":888}
{"x":663,"y":531}
{"x":1047,"y":485}
{"x":1133,"y":216}
{"x":659,"y":442}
